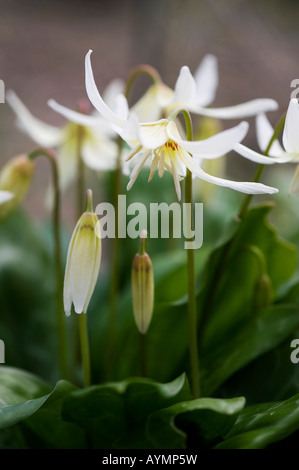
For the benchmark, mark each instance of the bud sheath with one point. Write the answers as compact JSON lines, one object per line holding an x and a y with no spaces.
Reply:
{"x":142,"y":291}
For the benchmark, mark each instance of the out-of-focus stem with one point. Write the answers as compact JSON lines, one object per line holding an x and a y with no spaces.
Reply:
{"x":50,"y":155}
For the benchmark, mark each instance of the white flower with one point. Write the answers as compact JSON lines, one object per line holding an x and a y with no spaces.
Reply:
{"x":161,"y":141}
{"x":195,"y":93}
{"x":15,"y":179}
{"x":83,"y":263}
{"x":98,"y":149}
{"x":5,"y":196}
{"x":290,"y":139}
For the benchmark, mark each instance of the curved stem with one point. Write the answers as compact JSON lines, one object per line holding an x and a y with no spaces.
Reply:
{"x":278,"y":128}
{"x":50,"y":155}
{"x":143,"y":69}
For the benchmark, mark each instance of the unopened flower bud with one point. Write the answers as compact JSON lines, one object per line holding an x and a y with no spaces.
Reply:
{"x":83,"y":262}
{"x":263,"y":292}
{"x":142,"y":288}
{"x":15,"y":177}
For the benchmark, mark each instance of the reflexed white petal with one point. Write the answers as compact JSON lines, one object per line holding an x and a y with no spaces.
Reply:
{"x":121,"y":107}
{"x":137,"y":168}
{"x":264,"y":133}
{"x":40,"y":132}
{"x":239,"y":111}
{"x":99,"y":153}
{"x":176,"y":177}
{"x":185,"y":87}
{"x":96,"y":98}
{"x":213,"y":147}
{"x":290,"y":136}
{"x":75,"y":116}
{"x":130,"y":133}
{"x":114,"y":88}
{"x":243,"y":187}
{"x":153,"y":135}
{"x":149,"y":107}
{"x":5,"y":196}
{"x":258,"y":158}
{"x":206,"y":79}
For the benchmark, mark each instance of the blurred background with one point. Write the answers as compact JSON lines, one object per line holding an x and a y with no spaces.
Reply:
{"x":43,"y":45}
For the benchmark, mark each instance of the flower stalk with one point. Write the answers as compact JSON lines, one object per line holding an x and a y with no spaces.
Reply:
{"x":192,"y":314}
{"x":114,"y":286}
{"x":62,"y":348}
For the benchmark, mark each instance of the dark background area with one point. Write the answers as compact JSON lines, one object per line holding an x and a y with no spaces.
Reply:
{"x":43,"y":45}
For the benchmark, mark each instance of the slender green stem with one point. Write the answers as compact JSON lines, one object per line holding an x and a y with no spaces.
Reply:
{"x":50,"y":155}
{"x":225,"y":255}
{"x":84,"y":348}
{"x":192,"y":319}
{"x":143,"y":354}
{"x":114,"y":284}
{"x":278,"y":128}
{"x":192,"y":315}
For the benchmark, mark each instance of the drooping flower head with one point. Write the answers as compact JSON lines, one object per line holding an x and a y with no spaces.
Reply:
{"x":160,"y":145}
{"x":83,"y":262}
{"x":15,"y":178}
{"x":98,"y":148}
{"x":161,"y":141}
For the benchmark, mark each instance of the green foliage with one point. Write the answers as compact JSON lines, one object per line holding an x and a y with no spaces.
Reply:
{"x":249,"y":385}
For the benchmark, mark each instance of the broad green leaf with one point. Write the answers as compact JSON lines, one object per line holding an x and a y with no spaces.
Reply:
{"x":203,"y":420}
{"x":259,"y":426}
{"x":21,"y":395}
{"x":115,"y":414}
{"x":48,"y":425}
{"x":262,"y":334}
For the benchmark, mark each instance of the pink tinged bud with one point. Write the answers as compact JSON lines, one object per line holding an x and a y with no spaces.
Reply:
{"x":142,"y":291}
{"x":15,"y":177}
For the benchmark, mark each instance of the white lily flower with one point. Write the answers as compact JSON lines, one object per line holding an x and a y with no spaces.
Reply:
{"x":195,"y":93}
{"x":98,"y":148}
{"x":289,"y":153}
{"x":161,"y":141}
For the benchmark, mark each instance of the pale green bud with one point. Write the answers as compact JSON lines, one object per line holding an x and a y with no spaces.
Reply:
{"x":15,"y":177}
{"x":83,"y":262}
{"x":142,"y":288}
{"x":263,"y":292}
